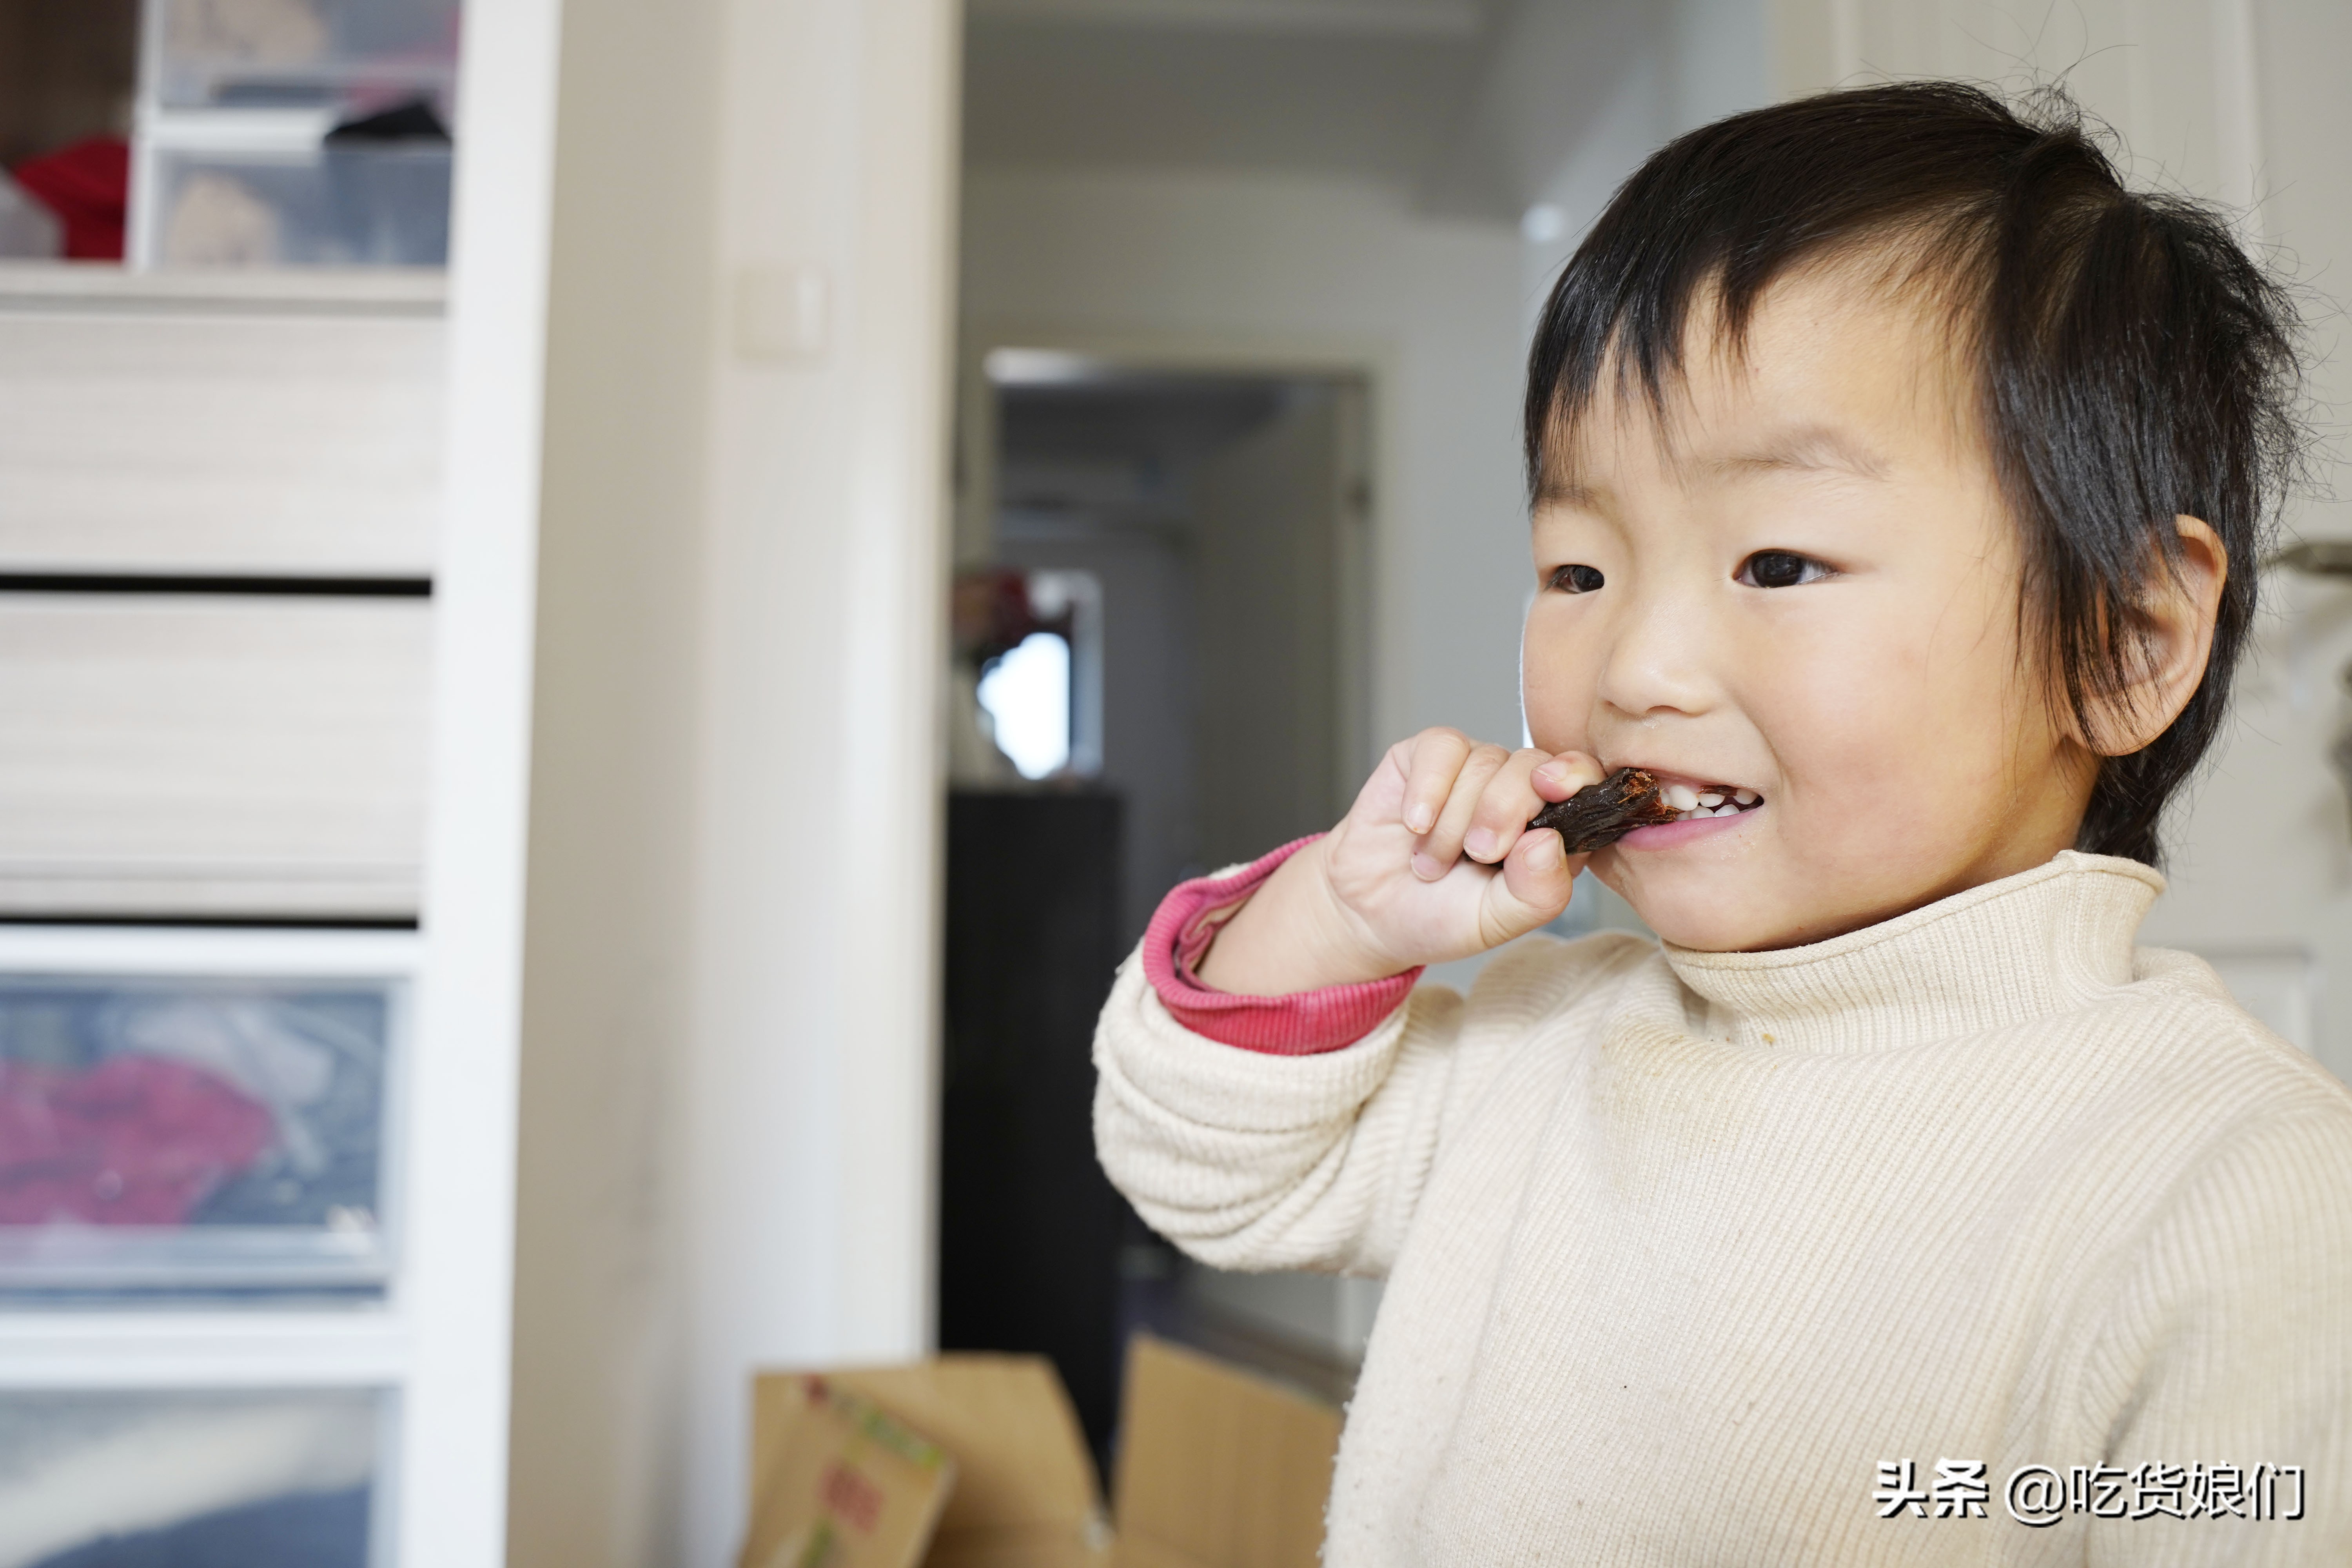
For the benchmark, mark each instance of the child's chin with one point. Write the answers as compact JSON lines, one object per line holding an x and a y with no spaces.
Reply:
{"x":1695,"y":907}
{"x":1708,"y":935}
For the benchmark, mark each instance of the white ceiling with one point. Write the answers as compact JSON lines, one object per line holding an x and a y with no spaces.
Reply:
{"x":1369,"y":87}
{"x":1412,"y":18}
{"x":1433,"y":95}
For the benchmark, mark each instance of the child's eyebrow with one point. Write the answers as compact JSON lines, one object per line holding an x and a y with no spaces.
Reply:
{"x":1561,"y":490}
{"x":1812,"y":449}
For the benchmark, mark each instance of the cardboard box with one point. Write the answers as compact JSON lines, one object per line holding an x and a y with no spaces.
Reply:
{"x":1025,"y":1488}
{"x":1218,"y":1467}
{"x":840,"y":1484}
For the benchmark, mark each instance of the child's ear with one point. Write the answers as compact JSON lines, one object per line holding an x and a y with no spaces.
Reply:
{"x":2174,"y":621}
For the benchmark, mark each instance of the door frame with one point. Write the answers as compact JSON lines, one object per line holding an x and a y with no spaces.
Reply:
{"x":1364,"y":590}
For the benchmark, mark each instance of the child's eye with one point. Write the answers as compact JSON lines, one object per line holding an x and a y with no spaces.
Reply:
{"x":1779,"y":569}
{"x":1577,"y":579}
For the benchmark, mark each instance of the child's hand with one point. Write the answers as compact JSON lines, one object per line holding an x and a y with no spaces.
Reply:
{"x":1433,"y":862}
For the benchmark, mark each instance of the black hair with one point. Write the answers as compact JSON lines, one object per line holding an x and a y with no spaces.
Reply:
{"x":2131,"y":361}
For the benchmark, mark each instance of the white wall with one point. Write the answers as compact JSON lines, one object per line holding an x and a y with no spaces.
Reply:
{"x":1336,"y":272}
{"x":601,"y":1364}
{"x":728,"y":1082}
{"x":1677,"y":66}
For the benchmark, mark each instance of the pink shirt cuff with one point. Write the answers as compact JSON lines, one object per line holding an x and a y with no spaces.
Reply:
{"x":1303,"y":1024}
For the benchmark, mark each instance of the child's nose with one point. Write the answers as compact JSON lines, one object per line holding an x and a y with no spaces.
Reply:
{"x":1657,"y":661}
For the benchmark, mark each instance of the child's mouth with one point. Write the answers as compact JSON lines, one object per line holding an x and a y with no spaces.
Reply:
{"x":1692,"y":800}
{"x":1689,"y":810}
{"x":1634,"y":802}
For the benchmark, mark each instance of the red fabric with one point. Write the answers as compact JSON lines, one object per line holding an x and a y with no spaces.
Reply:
{"x":1303,"y":1024}
{"x":133,"y":1140}
{"x":88,"y":186}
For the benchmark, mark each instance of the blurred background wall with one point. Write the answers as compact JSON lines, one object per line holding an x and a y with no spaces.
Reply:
{"x":728,"y":1022}
{"x":760,"y":215}
{"x":1179,"y":339}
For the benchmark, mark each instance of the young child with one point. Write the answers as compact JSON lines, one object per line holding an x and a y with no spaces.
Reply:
{"x":1899,"y":484}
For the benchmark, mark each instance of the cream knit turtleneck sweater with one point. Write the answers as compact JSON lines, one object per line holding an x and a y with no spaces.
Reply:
{"x":1682,"y":1246}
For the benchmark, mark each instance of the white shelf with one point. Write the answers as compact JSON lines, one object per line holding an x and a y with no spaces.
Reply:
{"x":200,"y":951}
{"x":91,"y":288}
{"x":294,"y":131}
{"x":105,"y":1349}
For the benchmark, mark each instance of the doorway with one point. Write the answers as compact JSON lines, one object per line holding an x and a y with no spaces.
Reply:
{"x":1174,"y":564}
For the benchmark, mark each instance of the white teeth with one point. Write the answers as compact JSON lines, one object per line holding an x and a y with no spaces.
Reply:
{"x":1689,"y":803}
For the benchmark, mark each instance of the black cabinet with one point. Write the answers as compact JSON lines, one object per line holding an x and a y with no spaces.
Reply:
{"x":1029,"y":1226}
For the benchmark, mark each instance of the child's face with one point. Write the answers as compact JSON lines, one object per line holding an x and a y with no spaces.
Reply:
{"x":1812,"y":593}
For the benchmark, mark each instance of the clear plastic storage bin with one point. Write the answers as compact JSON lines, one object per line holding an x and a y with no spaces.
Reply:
{"x":133,"y":1479}
{"x":275,"y":53}
{"x":194,"y":1137}
{"x":336,"y":205}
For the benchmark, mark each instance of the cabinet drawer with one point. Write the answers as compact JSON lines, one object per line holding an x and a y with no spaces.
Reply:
{"x":218,"y":442}
{"x":214,"y":1137}
{"x":174,"y":755}
{"x":265,"y":1479}
{"x":309,"y":51}
{"x":330,"y":207}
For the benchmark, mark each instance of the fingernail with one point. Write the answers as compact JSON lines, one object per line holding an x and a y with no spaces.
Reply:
{"x":1548,"y":852}
{"x":1420,"y":817}
{"x":1479,"y":844}
{"x":1426,"y":868}
{"x":1554,"y":771}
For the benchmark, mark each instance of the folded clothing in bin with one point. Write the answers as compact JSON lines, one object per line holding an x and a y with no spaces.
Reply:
{"x":186,"y":1479}
{"x":87,"y":186}
{"x":135,"y":1140}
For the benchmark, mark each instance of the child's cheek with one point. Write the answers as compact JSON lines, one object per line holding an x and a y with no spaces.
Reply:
{"x":1839,"y":705}
{"x":1882,"y":745}
{"x":1555,"y":685}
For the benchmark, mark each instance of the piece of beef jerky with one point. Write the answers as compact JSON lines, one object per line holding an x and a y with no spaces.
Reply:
{"x":1600,"y":814}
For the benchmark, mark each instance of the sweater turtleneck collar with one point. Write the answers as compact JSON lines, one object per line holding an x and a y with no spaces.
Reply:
{"x":2026,"y":947}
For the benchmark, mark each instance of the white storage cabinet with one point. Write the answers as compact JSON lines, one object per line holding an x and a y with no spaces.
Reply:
{"x":254,"y":1204}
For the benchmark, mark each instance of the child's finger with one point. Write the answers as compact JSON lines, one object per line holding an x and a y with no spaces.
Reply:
{"x":1441,"y":845}
{"x":1566,"y":774}
{"x":1503,"y":810}
{"x":1537,"y":878}
{"x":1436,"y":762}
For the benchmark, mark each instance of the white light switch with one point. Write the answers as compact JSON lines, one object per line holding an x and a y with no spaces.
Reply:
{"x":782,"y":313}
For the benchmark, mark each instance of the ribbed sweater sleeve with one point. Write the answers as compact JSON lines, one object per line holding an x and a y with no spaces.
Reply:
{"x":1252,"y":1159}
